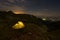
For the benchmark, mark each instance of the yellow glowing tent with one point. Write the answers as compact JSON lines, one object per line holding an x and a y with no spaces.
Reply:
{"x":18,"y":25}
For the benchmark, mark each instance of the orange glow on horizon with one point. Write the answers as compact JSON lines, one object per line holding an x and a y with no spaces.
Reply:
{"x":19,"y":12}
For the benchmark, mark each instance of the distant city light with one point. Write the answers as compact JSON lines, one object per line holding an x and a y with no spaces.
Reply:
{"x":43,"y":18}
{"x":19,"y":25}
{"x":19,"y":12}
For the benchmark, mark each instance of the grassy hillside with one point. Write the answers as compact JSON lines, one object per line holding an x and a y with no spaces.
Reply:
{"x":35,"y":28}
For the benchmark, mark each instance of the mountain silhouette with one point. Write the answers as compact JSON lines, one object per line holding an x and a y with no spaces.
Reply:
{"x":10,"y":16}
{"x":35,"y":28}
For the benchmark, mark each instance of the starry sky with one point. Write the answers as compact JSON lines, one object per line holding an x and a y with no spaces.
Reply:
{"x":34,"y":7}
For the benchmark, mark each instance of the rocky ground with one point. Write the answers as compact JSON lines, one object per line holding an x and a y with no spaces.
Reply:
{"x":30,"y":32}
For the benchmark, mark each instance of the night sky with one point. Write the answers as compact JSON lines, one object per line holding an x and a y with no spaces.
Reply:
{"x":35,"y":7}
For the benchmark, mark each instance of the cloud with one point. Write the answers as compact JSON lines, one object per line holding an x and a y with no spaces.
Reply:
{"x":6,"y":6}
{"x":43,"y":13}
{"x":22,"y":0}
{"x":23,"y":6}
{"x":11,"y":1}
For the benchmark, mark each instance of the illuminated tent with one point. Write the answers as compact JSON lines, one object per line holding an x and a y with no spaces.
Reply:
{"x":18,"y":25}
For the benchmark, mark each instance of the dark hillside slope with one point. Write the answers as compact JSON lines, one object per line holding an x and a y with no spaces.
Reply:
{"x":35,"y":28}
